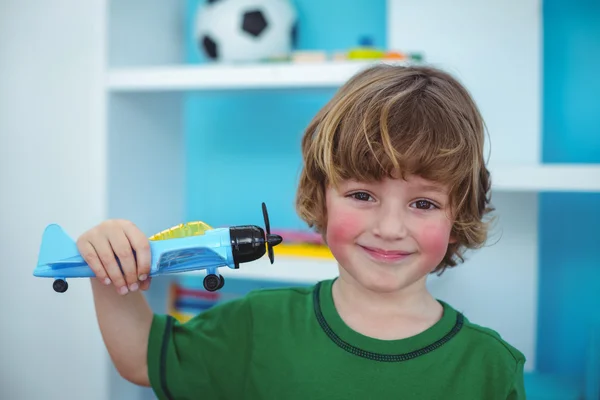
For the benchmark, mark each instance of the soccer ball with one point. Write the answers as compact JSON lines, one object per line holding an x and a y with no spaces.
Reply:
{"x":245,"y":30}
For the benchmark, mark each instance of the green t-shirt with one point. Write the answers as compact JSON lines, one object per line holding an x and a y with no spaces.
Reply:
{"x":290,"y":343}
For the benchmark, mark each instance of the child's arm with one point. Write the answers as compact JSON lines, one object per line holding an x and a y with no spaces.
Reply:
{"x":123,"y":314}
{"x":125,"y":326}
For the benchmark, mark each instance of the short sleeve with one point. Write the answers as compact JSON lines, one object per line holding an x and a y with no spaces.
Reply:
{"x":206,"y":357}
{"x":517,"y":390}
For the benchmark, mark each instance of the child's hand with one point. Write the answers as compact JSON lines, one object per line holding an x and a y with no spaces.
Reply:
{"x":99,"y":245}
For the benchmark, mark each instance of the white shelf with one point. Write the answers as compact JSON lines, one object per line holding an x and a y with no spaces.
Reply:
{"x":235,"y":76}
{"x":546,"y":178}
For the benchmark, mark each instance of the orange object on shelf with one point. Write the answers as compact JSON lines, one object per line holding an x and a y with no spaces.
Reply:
{"x":394,"y":55}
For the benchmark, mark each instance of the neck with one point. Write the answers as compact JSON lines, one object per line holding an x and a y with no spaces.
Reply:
{"x":385,"y":315}
{"x":412,"y":300}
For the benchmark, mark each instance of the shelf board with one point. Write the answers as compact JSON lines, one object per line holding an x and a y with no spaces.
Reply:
{"x":276,"y":75}
{"x":546,"y":178}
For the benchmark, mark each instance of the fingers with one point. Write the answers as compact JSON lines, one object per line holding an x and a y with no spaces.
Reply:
{"x":88,"y":252}
{"x":107,"y":256}
{"x":141,"y":245}
{"x":118,"y":253}
{"x":122,"y":248}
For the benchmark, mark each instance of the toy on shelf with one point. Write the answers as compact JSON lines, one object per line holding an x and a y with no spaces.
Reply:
{"x":182,"y":248}
{"x":303,"y":56}
{"x":234,"y":31}
{"x":365,"y":51}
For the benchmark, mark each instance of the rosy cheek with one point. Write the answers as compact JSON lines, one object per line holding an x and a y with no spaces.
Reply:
{"x":342,"y":228}
{"x":433,"y":239}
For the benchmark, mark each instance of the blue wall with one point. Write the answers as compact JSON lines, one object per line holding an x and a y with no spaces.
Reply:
{"x":569,"y":223}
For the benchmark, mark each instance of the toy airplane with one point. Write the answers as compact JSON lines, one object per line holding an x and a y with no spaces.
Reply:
{"x":186,"y":247}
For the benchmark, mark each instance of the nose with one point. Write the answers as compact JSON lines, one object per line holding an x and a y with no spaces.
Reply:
{"x":390,"y":223}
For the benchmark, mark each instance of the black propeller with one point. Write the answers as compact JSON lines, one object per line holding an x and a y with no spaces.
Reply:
{"x":272,"y":240}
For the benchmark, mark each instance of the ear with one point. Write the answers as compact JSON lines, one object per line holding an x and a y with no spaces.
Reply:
{"x":453,"y":239}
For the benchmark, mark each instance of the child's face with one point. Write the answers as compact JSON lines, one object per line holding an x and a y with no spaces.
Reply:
{"x":388,"y":235}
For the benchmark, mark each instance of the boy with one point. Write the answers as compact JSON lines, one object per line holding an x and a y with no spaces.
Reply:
{"x":394,"y":179}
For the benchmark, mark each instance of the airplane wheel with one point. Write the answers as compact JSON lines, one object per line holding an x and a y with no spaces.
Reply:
{"x":211,"y":282}
{"x":60,"y":285}
{"x":222,"y":281}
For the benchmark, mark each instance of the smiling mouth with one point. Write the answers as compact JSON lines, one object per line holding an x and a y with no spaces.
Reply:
{"x":385,"y":255}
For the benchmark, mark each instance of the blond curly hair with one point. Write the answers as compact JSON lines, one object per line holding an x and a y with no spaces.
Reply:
{"x":411,"y":120}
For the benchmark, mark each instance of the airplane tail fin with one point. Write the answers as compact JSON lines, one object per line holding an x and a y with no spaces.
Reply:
{"x":56,"y":245}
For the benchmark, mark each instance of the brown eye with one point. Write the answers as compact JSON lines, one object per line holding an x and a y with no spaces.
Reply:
{"x":424,"y":205}
{"x":362,"y":196}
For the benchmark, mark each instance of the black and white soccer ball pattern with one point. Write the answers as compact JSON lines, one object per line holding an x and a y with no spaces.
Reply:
{"x":245,"y":30}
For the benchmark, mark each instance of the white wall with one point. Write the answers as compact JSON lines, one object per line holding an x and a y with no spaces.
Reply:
{"x":494,"y":48}
{"x":51,"y":105}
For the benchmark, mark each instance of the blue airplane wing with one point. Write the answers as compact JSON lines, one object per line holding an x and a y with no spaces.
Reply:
{"x":189,"y":259}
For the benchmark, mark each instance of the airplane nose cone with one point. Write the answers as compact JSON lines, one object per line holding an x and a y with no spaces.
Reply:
{"x":274,"y":240}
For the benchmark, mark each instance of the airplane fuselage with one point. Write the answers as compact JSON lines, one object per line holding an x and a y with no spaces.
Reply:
{"x":168,"y":256}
